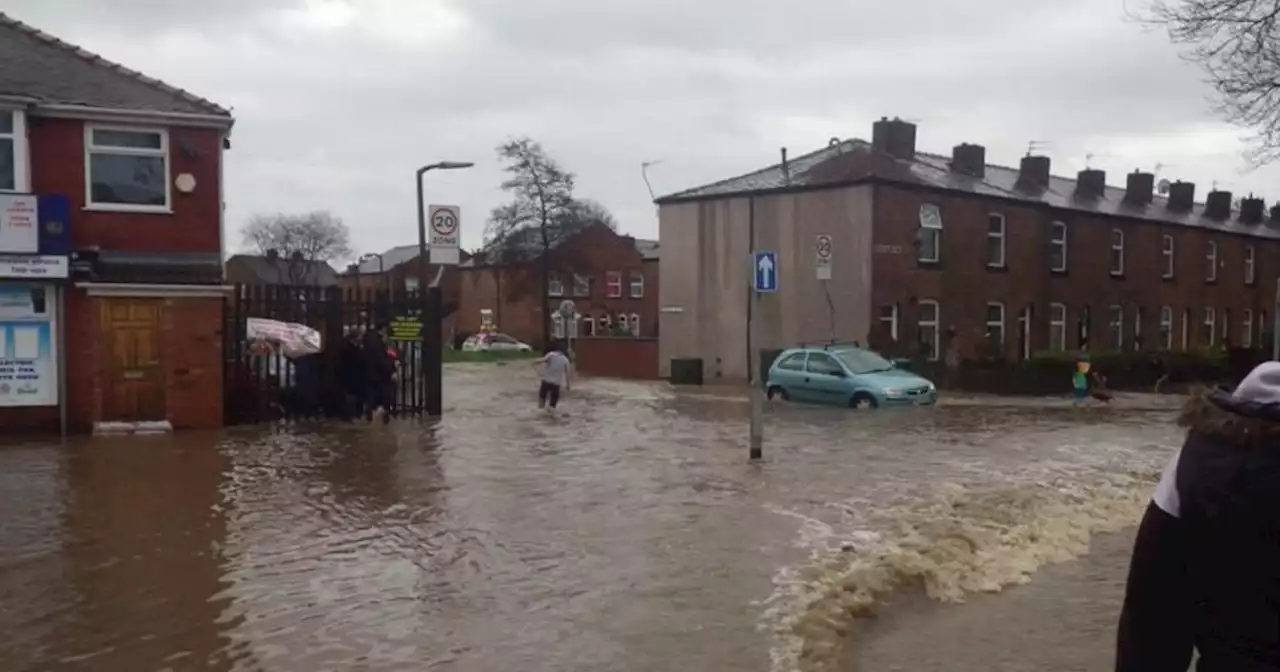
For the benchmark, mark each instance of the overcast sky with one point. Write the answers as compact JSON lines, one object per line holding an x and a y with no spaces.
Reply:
{"x":338,"y":101}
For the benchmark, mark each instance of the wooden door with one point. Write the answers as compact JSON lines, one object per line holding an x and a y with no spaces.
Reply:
{"x":134,"y":386}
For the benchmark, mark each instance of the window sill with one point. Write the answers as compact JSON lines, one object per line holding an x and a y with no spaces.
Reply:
{"x":931,"y":265}
{"x":1060,"y":272}
{"x":129,"y":209}
{"x":997,"y":269}
{"x":1117,"y":276}
{"x":1168,"y":278}
{"x":1209,"y":281}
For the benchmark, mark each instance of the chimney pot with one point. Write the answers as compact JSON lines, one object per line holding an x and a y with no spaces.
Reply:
{"x":273,"y":254}
{"x":1139,"y":188}
{"x":1275,"y":213}
{"x":969,"y":159}
{"x":1091,"y":183}
{"x":1033,"y":174}
{"x":894,"y":137}
{"x":1217,"y":205}
{"x":1252,"y":210}
{"x":1182,"y":196}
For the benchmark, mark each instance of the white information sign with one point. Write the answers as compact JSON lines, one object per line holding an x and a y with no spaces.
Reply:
{"x":34,"y":267}
{"x":28,"y":346}
{"x":444,"y":224}
{"x":822,"y":256}
{"x":19,"y":225}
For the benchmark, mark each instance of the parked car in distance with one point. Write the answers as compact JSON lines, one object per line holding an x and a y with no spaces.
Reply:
{"x":846,"y":375}
{"x":494,"y":342}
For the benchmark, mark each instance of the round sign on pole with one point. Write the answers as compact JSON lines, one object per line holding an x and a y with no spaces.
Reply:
{"x":444,"y":222}
{"x":824,"y":247}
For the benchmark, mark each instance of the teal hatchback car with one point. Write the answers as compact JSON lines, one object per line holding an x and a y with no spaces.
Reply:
{"x":846,"y":375}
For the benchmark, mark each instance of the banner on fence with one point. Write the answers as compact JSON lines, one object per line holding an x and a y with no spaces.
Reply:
{"x":295,"y":340}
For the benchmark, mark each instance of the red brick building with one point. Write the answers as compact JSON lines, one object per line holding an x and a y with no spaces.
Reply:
{"x":127,"y":171}
{"x":959,"y":258}
{"x":396,"y":270}
{"x":611,"y":279}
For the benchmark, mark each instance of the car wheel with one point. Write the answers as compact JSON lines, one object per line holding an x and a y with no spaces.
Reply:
{"x":863,"y":400}
{"x":776,"y":392}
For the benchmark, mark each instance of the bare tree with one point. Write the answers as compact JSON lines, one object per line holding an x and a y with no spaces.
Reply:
{"x":541,"y":216}
{"x":1237,"y":44}
{"x":315,"y":236}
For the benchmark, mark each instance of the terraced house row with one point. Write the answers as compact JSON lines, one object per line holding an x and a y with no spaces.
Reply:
{"x":950,"y":256}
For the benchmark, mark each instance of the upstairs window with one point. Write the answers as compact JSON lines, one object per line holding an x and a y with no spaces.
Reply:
{"x":613,"y":284}
{"x":13,"y":155}
{"x":555,"y":287}
{"x":1117,"y":252}
{"x":1250,"y":274}
{"x":930,"y":236}
{"x":637,"y":285}
{"x":1211,"y":262}
{"x":581,"y":285}
{"x":127,"y":168}
{"x":1166,"y":257}
{"x":1058,"y":247}
{"x":995,"y":240}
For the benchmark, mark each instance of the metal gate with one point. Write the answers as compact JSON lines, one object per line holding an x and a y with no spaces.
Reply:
{"x":261,"y":385}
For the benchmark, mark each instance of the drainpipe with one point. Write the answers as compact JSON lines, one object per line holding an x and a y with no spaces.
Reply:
{"x":222,"y":203}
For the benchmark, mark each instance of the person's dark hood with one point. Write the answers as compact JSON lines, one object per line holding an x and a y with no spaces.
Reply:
{"x":1246,"y":415}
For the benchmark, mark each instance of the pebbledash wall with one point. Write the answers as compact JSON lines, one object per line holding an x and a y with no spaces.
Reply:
{"x":141,"y":347}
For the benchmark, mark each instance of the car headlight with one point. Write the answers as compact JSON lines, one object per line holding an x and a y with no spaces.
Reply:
{"x":892,"y":392}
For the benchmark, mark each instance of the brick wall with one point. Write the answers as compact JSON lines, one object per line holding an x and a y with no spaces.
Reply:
{"x":58,"y":167}
{"x":634,"y":358}
{"x":962,"y":283}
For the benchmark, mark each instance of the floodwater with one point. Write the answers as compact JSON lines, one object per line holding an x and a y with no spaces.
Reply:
{"x":628,"y":533}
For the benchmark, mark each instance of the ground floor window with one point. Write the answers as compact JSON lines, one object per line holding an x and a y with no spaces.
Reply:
{"x":588,"y":326}
{"x":927,"y":323}
{"x":1116,"y":326}
{"x":1186,"y":328}
{"x":1246,"y":330}
{"x":1210,"y":326}
{"x":995,"y":326}
{"x":635,"y":325}
{"x":1057,"y":327}
{"x":1166,"y":327}
{"x":889,"y":320}
{"x":1226,"y":327}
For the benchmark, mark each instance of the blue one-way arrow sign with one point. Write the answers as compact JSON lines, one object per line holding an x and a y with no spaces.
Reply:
{"x":764,"y":266}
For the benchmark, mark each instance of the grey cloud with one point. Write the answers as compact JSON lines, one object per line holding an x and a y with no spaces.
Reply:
{"x":339,"y":119}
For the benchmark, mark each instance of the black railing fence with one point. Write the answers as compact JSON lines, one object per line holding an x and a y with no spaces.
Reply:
{"x":262,"y":384}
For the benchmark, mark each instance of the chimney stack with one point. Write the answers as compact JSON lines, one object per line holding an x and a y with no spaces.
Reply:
{"x":1091,"y":183}
{"x":1252,"y":210}
{"x":1275,"y":213}
{"x":1033,"y":174}
{"x":969,"y":159}
{"x":1217,"y":205}
{"x":894,"y":137}
{"x":1139,"y":188}
{"x":273,"y":254}
{"x":1182,"y":196}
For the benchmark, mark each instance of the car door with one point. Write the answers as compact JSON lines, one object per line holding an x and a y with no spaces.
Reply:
{"x":788,"y":373}
{"x":825,"y":380}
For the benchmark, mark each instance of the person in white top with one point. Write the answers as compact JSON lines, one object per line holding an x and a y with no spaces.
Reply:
{"x":556,"y":370}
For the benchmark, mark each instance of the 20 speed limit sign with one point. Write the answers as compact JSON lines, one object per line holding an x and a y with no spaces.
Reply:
{"x":822,"y":256}
{"x":444,"y":222}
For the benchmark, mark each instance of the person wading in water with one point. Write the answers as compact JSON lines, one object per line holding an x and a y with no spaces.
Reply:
{"x":556,"y":369}
{"x":1205,"y":572}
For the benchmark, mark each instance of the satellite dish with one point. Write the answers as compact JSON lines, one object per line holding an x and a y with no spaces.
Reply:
{"x":1163,"y":187}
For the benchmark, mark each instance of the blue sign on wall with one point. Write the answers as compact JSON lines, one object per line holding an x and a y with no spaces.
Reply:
{"x":55,"y":224}
{"x":764,"y":266}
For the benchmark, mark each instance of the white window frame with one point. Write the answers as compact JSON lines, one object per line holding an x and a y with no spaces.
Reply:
{"x":933,"y":325}
{"x":555,"y":286}
{"x":1186,"y":328}
{"x":1246,"y":336}
{"x":1211,"y":256}
{"x":891,"y":320}
{"x":557,"y":326}
{"x":1058,"y":239}
{"x":613,"y":284}
{"x":1117,"y":252}
{"x":992,"y":219}
{"x":1211,"y":321}
{"x":1250,"y":265}
{"x":1115,"y":327}
{"x":589,"y":326}
{"x":637,"y":284}
{"x":1166,"y":328}
{"x":581,"y":285}
{"x":605,"y":324}
{"x":21,"y":153}
{"x":622,"y":321}
{"x":635,"y":325}
{"x":90,"y":149}
{"x":931,"y":226}
{"x":999,"y":324}
{"x":1024,"y":330}
{"x":1057,"y":327}
{"x":1167,"y":253}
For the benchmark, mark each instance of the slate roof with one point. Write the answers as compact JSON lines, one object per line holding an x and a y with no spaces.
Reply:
{"x":36,"y":64}
{"x":390,"y":259}
{"x":854,"y":161}
{"x":526,"y":239}
{"x":648,"y":249}
{"x":269,"y":272}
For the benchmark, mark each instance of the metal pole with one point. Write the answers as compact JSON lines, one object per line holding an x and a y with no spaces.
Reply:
{"x":1275,"y":324}
{"x":430,"y":377}
{"x":61,"y":293}
{"x":753,"y":339}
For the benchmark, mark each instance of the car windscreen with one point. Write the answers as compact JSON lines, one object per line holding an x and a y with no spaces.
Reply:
{"x":863,"y":361}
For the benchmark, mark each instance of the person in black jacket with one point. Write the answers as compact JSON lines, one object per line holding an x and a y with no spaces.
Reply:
{"x":379,"y":369}
{"x":1205,"y":573}
{"x":351,"y":375}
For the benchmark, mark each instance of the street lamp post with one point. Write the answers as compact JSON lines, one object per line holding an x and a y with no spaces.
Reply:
{"x":433,"y":331}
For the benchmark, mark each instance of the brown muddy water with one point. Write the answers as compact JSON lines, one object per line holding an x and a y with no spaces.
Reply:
{"x":629,"y":533}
